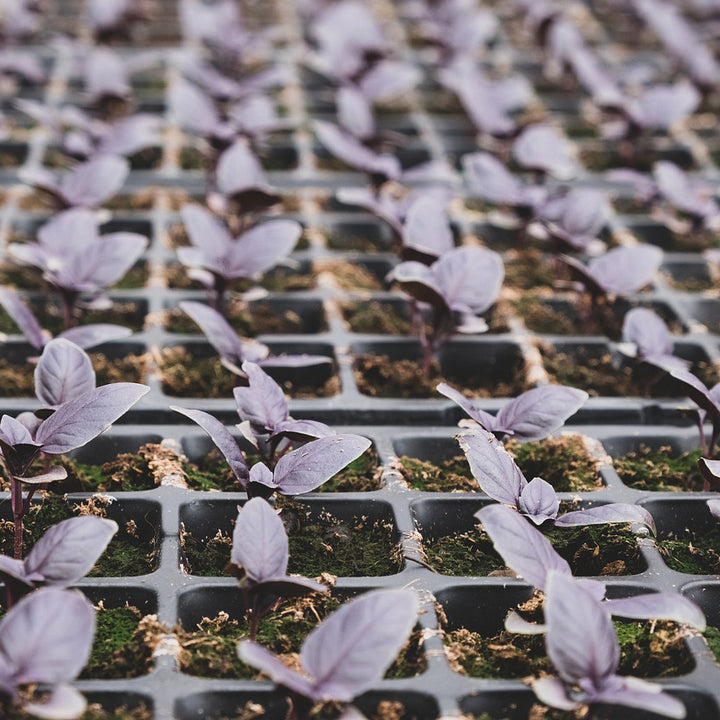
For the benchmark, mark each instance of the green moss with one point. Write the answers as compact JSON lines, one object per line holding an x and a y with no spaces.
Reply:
{"x":122,"y":647}
{"x":127,"y":553}
{"x":696,"y":553}
{"x":134,"y":278}
{"x":447,"y":476}
{"x":591,"y":550}
{"x":564,"y":462}
{"x":660,"y":469}
{"x":361,"y":475}
{"x":712,"y":637}
{"x":543,"y":318}
{"x":206,"y":557}
{"x":210,"y":650}
{"x":648,"y":649}
{"x":529,"y":269}
{"x":281,"y":279}
{"x":94,"y":712}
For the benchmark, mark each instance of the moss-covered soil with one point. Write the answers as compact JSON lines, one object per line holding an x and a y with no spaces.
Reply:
{"x":379,"y":376}
{"x":382,"y":710}
{"x":94,"y":712}
{"x":209,"y":650}
{"x":697,"y":553}
{"x":129,"y":553}
{"x":281,"y":279}
{"x":649,"y":649}
{"x":592,"y":550}
{"x":187,"y":375}
{"x":323,"y":544}
{"x":211,"y":472}
{"x":661,"y":470}
{"x":563,"y":462}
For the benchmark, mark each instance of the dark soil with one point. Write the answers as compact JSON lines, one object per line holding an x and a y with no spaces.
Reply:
{"x":563,"y":462}
{"x":186,"y":375}
{"x":94,"y":712}
{"x":529,"y":269}
{"x":691,"y":552}
{"x":660,"y":470}
{"x":280,"y":279}
{"x":212,"y":472}
{"x":594,"y":550}
{"x":326,"y":544}
{"x":127,"y":554}
{"x":247,"y":320}
{"x":379,"y":376}
{"x":210,"y":650}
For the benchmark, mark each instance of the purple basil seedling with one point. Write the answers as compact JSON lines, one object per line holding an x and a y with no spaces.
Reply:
{"x":71,"y":424}
{"x":114,"y":19}
{"x":465,"y":280}
{"x":296,"y":472}
{"x":62,"y":556}
{"x":694,"y":199}
{"x":76,"y":260}
{"x":85,"y":336}
{"x":501,"y":479}
{"x":529,"y":554}
{"x":533,"y":415}
{"x":582,"y":645}
{"x":89,"y":184}
{"x":346,"y":654}
{"x":545,"y":151}
{"x":216,"y":257}
{"x":574,"y":221}
{"x":46,"y":640}
{"x":233,"y":349}
{"x":259,"y":559}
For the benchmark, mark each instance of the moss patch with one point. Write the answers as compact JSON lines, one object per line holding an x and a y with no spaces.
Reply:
{"x":351,"y":276}
{"x":647,"y":649}
{"x":94,"y":711}
{"x":593,"y":550}
{"x":124,"y":643}
{"x":187,"y":375}
{"x":325,"y":544}
{"x":528,"y":269}
{"x":712,"y":637}
{"x":661,"y":470}
{"x":697,"y":553}
{"x":127,"y":554}
{"x":379,"y":376}
{"x":280,"y":279}
{"x":452,"y":475}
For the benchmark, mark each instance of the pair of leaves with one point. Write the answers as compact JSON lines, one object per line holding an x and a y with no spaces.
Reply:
{"x":348,"y":652}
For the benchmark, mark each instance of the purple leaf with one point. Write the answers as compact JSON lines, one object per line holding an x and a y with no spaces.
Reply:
{"x":106,"y":75}
{"x":302,"y":429}
{"x":388,"y":79}
{"x":294,"y":361}
{"x":93,"y":182}
{"x":648,"y":332}
{"x":580,"y":636}
{"x":78,"y":421}
{"x":22,"y":316}
{"x":611,"y":513}
{"x":221,"y":335}
{"x":640,"y":694}
{"x":262,"y":247}
{"x":263,"y":402}
{"x":426,"y":231}
{"x":484,"y":419}
{"x":543,"y":148}
{"x":240,"y":175}
{"x":263,"y":659}
{"x":713,"y":505}
{"x":539,"y":412}
{"x":625,"y":270}
{"x":538,"y":501}
{"x":63,"y":702}
{"x":192,"y":109}
{"x":260,"y":545}
{"x":63,"y":372}
{"x":52,"y":475}
{"x":658,"y":606}
{"x":223,"y":440}
{"x":68,"y":550}
{"x":354,"y":112}
{"x":496,"y":472}
{"x":47,"y":636}
{"x":87,"y":336}
{"x":488,"y":179}
{"x":309,"y":466}
{"x":578,"y":218}
{"x":551,"y":691}
{"x":205,"y":231}
{"x":675,"y":186}
{"x":130,"y":135}
{"x":523,"y":548}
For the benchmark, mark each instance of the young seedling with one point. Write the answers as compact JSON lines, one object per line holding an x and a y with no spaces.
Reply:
{"x":582,"y":645}
{"x":545,"y":151}
{"x":426,"y":232}
{"x":464,"y":280}
{"x":501,"y":479}
{"x":45,"y":640}
{"x":620,"y":272}
{"x":346,"y":654}
{"x":529,"y":554}
{"x":259,"y":560}
{"x":70,"y":425}
{"x":265,"y":415}
{"x":115,"y":19}
{"x":297,"y":472}
{"x":61,"y":557}
{"x":533,"y":415}
{"x":88,"y":185}
{"x":84,"y":336}
{"x":216,"y":257}
{"x":76,"y":260}
{"x":233,"y":349}
{"x":574,"y":221}
{"x":691,"y":198}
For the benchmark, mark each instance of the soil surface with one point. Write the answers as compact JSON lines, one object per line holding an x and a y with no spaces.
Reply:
{"x":662,"y":470}
{"x":693,"y":552}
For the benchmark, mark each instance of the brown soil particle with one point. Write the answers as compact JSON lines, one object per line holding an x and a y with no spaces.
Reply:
{"x":379,"y":376}
{"x":661,"y":469}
